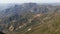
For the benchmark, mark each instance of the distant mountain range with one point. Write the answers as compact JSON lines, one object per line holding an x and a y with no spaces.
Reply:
{"x":30,"y":18}
{"x":26,"y":7}
{"x":5,"y":6}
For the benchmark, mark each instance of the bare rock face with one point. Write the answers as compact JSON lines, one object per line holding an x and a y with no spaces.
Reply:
{"x":11,"y":28}
{"x":29,"y":29}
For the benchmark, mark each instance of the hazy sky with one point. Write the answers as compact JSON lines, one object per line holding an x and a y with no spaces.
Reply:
{"x":26,"y":1}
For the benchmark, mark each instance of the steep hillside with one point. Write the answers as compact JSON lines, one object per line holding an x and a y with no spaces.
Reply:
{"x":30,"y":18}
{"x":41,"y":24}
{"x":50,"y":26}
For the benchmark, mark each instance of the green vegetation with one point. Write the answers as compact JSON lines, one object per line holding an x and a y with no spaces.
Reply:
{"x":50,"y":27}
{"x":31,"y":23}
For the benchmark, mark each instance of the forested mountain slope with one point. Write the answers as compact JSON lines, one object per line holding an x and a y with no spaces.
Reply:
{"x":43,"y":24}
{"x":30,"y":18}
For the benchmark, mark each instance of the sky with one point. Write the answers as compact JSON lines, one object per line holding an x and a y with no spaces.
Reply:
{"x":27,"y":1}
